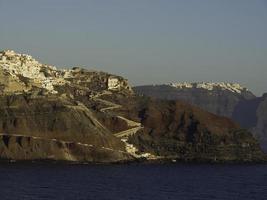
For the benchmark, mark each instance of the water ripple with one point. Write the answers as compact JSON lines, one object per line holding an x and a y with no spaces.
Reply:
{"x":135,"y":182}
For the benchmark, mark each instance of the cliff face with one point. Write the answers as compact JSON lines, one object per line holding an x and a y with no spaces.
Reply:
{"x":22,"y":73}
{"x":260,"y":129}
{"x":36,"y":127}
{"x":182,"y":132}
{"x":42,"y":115}
{"x":228,"y":100}
{"x":217,"y":98}
{"x":90,"y":116}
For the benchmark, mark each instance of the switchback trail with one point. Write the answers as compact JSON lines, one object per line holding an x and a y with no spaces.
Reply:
{"x":134,"y":127}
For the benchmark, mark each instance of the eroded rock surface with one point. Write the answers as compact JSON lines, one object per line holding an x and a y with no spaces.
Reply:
{"x":224,"y":99}
{"x":90,"y":116}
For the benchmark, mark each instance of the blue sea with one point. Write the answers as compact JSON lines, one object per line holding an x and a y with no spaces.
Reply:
{"x":133,"y":181}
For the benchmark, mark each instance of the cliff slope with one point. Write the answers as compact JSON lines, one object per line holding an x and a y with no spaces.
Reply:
{"x":218,"y":98}
{"x":183,"y":132}
{"x":92,"y":116}
{"x":224,"y":99}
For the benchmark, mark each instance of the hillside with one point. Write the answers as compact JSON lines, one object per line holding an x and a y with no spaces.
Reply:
{"x":224,"y":99}
{"x":91,"y":116}
{"x":183,"y":132}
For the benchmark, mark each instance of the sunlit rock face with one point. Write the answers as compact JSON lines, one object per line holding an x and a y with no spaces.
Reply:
{"x":25,"y":72}
{"x":82,"y":115}
{"x":48,"y":113}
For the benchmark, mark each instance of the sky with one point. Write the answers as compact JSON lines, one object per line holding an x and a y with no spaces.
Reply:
{"x":145,"y":41}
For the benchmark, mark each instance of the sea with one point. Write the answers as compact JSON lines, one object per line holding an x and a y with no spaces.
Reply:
{"x":132,"y":181}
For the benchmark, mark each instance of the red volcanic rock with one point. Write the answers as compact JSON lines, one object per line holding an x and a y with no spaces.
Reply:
{"x":177,"y":130}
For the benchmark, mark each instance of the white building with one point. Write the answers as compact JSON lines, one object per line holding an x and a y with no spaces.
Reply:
{"x":3,"y":58}
{"x":113,"y":83}
{"x":9,"y":53}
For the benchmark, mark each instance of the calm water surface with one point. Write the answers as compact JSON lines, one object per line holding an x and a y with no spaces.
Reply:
{"x":152,"y":182}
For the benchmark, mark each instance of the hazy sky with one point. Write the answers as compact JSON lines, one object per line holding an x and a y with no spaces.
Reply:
{"x":146,"y":41}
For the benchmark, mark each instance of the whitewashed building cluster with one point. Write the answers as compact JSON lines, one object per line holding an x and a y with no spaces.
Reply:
{"x":233,"y":87}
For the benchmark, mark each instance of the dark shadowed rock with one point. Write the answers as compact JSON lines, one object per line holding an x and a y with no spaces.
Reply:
{"x":218,"y":99}
{"x":179,"y":131}
{"x":238,"y":104}
{"x":260,"y":129}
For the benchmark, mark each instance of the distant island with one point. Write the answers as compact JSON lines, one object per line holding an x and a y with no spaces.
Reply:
{"x":80,"y":115}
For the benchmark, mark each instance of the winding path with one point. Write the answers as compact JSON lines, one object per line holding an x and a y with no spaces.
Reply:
{"x":135,"y":126}
{"x":124,"y":135}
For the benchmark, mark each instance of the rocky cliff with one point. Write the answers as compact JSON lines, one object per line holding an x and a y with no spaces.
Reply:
{"x":251,"y":114}
{"x":21,"y":72}
{"x":218,"y":98}
{"x":225,"y":99}
{"x":180,"y":131}
{"x":90,"y":116}
{"x":42,"y":116}
{"x":260,"y":128}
